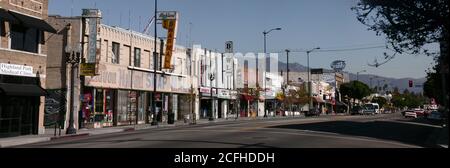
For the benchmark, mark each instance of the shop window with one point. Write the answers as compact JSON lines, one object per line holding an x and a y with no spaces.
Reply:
{"x":137,"y":57}
{"x":115,"y":53}
{"x":99,"y":101}
{"x":24,"y":38}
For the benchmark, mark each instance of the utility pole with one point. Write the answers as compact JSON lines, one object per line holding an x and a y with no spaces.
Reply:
{"x":309,"y":82}
{"x":211,"y":78}
{"x":154,"y":121}
{"x":287,"y":65}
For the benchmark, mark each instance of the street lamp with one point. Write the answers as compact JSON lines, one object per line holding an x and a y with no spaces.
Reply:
{"x":357,"y":74}
{"x":257,"y":73}
{"x":72,"y":58}
{"x":211,"y":78}
{"x":309,"y":71}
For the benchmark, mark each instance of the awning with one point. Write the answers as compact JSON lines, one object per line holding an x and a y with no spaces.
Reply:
{"x":4,"y":15}
{"x":21,"y":90}
{"x":33,"y":22}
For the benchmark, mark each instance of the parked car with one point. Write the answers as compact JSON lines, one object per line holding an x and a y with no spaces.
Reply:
{"x":357,"y":110}
{"x":313,"y":112}
{"x":371,"y":108}
{"x":410,"y":113}
{"x":419,"y":112}
{"x":434,"y":115}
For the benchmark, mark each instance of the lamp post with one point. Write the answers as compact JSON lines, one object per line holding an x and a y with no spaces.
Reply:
{"x":154,"y":121}
{"x":72,"y":58}
{"x":211,"y":78}
{"x":357,"y":74}
{"x":309,"y":82}
{"x":257,"y":73}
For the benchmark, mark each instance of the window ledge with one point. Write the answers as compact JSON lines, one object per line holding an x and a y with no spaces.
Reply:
{"x":24,"y":52}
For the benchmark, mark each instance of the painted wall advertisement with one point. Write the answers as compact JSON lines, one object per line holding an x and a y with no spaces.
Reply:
{"x":123,"y":78}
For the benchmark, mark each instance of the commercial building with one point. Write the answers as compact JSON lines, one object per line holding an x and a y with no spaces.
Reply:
{"x":121,"y":91}
{"x":215,"y":73}
{"x":23,"y":56}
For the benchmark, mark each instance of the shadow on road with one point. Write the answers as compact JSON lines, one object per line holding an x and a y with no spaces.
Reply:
{"x":422,"y":120}
{"x":402,"y":132}
{"x":152,"y":141}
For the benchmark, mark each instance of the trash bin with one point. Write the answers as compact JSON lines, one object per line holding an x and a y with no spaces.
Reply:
{"x":187,"y":118}
{"x":171,"y":118}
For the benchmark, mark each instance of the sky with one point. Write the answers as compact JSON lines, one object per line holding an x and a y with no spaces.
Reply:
{"x":306,"y":24}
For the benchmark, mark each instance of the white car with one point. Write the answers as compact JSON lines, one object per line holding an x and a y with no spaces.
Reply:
{"x":412,"y":114}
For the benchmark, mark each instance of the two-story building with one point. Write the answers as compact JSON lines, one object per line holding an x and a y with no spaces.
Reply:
{"x":121,"y":91}
{"x":23,"y":55}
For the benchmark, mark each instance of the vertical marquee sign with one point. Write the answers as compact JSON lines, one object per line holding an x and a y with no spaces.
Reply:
{"x":93,"y":15}
{"x":169,"y":19}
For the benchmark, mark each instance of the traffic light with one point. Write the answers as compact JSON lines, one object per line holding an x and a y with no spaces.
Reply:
{"x":410,"y":83}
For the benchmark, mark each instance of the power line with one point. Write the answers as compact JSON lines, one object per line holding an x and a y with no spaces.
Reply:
{"x":336,"y":50}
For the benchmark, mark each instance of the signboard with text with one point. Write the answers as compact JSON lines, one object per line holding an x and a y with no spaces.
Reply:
{"x":169,"y":23}
{"x":87,"y":69}
{"x":16,"y":70}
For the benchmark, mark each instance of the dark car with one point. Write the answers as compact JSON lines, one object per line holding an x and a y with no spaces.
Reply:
{"x":356,"y":110}
{"x":313,"y":112}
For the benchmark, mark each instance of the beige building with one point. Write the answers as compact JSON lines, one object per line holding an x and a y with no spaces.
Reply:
{"x":121,"y":92}
{"x":23,"y":56}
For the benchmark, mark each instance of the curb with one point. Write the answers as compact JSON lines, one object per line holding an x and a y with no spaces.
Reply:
{"x":69,"y":136}
{"x":30,"y":141}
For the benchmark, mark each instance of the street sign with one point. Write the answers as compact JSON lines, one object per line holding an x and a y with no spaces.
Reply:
{"x":229,"y":47}
{"x":87,"y":69}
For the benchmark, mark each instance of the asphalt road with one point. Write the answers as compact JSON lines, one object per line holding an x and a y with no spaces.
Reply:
{"x":379,"y":131}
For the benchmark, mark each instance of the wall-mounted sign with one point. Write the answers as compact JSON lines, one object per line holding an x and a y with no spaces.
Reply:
{"x":167,"y":15}
{"x":338,"y":65}
{"x":16,"y":70}
{"x":317,"y":71}
{"x":91,"y":13}
{"x":170,"y":23}
{"x":224,"y":94}
{"x":87,"y":69}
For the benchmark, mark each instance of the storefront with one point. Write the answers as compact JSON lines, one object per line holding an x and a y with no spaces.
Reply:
{"x":206,"y":101}
{"x":20,"y":100}
{"x":112,"y":107}
{"x":121,"y":95}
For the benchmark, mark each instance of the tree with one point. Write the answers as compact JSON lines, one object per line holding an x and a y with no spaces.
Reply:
{"x":380,"y":100}
{"x":355,"y":90}
{"x":409,"y":25}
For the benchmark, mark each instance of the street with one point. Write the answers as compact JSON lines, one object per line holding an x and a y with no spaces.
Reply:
{"x":374,"y":131}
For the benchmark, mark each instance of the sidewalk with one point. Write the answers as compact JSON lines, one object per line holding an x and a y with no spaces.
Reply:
{"x":49,"y":135}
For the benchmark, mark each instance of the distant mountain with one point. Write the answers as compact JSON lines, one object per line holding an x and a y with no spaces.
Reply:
{"x":401,"y":83}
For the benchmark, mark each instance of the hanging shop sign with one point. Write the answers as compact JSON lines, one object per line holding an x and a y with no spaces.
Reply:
{"x":93,"y":15}
{"x":87,"y":69}
{"x":170,"y":23}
